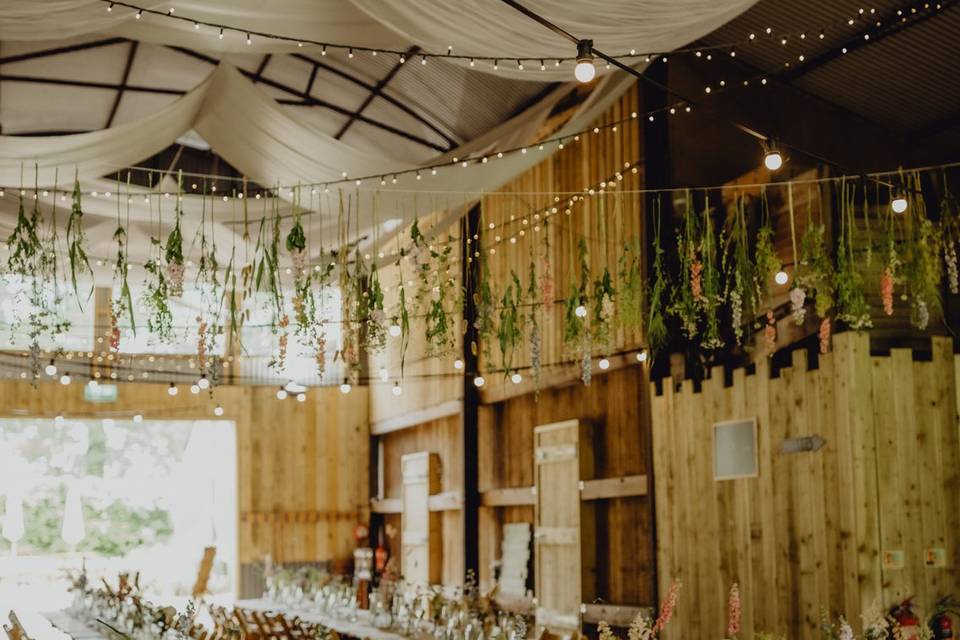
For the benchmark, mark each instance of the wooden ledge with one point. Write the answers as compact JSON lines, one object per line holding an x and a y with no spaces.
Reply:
{"x":408,"y":420}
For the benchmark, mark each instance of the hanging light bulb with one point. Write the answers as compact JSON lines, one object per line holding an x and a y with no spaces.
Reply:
{"x":218,"y":410}
{"x":65,"y":379}
{"x":641,"y":356}
{"x":781,"y":277}
{"x":301,"y":397}
{"x":138,"y":418}
{"x":772,"y":159}
{"x":580,"y":311}
{"x":51,"y":369}
{"x":281,"y":394}
{"x":397,"y":389}
{"x":172,"y":390}
{"x":194,"y":389}
{"x":458,"y":364}
{"x":585,"y":71}
{"x":604,"y":364}
{"x":479,"y":381}
{"x":203,"y":382}
{"x":345,"y":387}
{"x":899,"y":203}
{"x":93,"y":383}
{"x":516,"y":378}
{"x":395,"y":330}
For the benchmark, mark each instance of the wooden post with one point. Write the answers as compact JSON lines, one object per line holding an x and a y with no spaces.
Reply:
{"x":469,"y":414}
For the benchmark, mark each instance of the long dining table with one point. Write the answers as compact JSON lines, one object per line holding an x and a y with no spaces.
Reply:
{"x":362,"y":627}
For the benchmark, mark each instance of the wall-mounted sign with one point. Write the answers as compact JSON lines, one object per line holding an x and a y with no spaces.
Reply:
{"x":735,"y":449}
{"x":935,"y":558}
{"x":100,"y":393}
{"x":892,"y":559}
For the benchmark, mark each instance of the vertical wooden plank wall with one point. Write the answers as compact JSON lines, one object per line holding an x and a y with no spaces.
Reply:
{"x":615,"y":405}
{"x":301,"y":480}
{"x":810,"y":530}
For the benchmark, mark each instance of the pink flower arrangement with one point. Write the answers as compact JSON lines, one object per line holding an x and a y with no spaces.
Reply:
{"x":886,"y":290}
{"x":667,"y":608}
{"x":825,"y":335}
{"x":696,"y":281}
{"x":770,"y":333}
{"x":733,"y":611}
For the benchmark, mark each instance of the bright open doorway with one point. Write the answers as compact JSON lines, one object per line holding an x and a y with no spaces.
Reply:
{"x":114,"y":495}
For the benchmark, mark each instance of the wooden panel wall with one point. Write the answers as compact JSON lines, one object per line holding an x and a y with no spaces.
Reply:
{"x":615,"y":405}
{"x":810,"y":530}
{"x":302,"y":482}
{"x":442,"y":438}
{"x":605,"y":220}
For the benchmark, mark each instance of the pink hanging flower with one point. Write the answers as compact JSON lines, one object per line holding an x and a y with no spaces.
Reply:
{"x":886,"y":290}
{"x":201,"y":342}
{"x":667,"y":608}
{"x":733,"y":611}
{"x":282,"y":351}
{"x":114,"y":331}
{"x":770,"y":333}
{"x":696,"y":282}
{"x":825,"y":335}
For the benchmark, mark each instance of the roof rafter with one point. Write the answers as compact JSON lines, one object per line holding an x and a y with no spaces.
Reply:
{"x":375,"y":91}
{"x":123,"y":83}
{"x":46,"y":53}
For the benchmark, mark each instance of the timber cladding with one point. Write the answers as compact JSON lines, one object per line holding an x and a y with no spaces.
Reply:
{"x":615,"y":408}
{"x":853,"y":523}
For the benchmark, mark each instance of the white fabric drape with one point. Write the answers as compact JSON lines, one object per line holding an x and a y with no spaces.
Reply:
{"x":472,"y":27}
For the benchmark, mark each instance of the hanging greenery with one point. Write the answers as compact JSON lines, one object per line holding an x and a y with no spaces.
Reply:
{"x":122,"y":303}
{"x":922,"y":263}
{"x":852,"y":306}
{"x":685,"y":304}
{"x":533,"y":321}
{"x":173,"y":250}
{"x":656,"y":319}
{"x":712,"y":297}
{"x":575,"y":306}
{"x":766,"y":260}
{"x":510,"y":326}
{"x":630,"y":295}
{"x":23,"y":243}
{"x":79,"y":262}
{"x":742,"y":292}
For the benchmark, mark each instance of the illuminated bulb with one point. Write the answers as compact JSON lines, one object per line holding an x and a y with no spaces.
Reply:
{"x":581,"y":311}
{"x":281,"y":394}
{"x":93,"y":383}
{"x":781,"y":277}
{"x":51,"y":369}
{"x":899,"y":203}
{"x":642,"y":356}
{"x":58,"y":420}
{"x":172,"y":390}
{"x":516,"y":378}
{"x":194,"y":389}
{"x":604,"y":364}
{"x":773,"y":160}
{"x":478,"y":381}
{"x":395,"y":330}
{"x":65,"y":379}
{"x":301,"y":397}
{"x":397,"y":390}
{"x":218,"y":410}
{"x":345,"y":387}
{"x":458,"y":364}
{"x":138,"y":418}
{"x":203,"y":383}
{"x":584,"y":71}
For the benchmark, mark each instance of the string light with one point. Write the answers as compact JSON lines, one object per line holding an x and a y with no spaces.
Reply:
{"x":516,"y":378}
{"x":301,"y":397}
{"x":604,"y":364}
{"x":172,"y":390}
{"x":772,"y":159}
{"x":458,"y":364}
{"x":478,"y":381}
{"x":138,"y":418}
{"x":51,"y":369}
{"x":397,"y":390}
{"x":218,"y":410}
{"x":65,"y":379}
{"x":899,"y":203}
{"x":281,"y":394}
{"x":781,"y":277}
{"x":395,"y":330}
{"x":194,"y":389}
{"x":641,"y":356}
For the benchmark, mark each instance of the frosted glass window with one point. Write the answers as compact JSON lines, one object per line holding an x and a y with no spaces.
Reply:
{"x":735,"y":449}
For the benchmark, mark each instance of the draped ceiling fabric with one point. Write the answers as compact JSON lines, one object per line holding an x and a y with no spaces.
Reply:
{"x":471,"y":27}
{"x":270,"y":143}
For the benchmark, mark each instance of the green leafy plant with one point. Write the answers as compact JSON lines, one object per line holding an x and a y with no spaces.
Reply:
{"x":852,"y":305}
{"x":510,"y":326}
{"x":79,"y":262}
{"x":656,"y":310}
{"x":630,"y":295}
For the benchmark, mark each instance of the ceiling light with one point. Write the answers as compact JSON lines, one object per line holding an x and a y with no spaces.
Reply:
{"x":218,"y":410}
{"x":899,"y":203}
{"x":172,"y":389}
{"x":773,"y":159}
{"x":345,"y":387}
{"x":51,"y":369}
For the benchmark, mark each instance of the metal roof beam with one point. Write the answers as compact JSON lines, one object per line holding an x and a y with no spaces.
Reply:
{"x":123,"y":83}
{"x":375,"y":91}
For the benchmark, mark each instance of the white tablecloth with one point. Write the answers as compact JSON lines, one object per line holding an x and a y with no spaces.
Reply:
{"x":359,"y":629}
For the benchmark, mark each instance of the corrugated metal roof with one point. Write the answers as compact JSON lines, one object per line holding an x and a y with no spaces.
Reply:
{"x":906,"y":81}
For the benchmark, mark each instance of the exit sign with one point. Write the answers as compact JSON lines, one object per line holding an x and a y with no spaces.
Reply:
{"x":100,"y":393}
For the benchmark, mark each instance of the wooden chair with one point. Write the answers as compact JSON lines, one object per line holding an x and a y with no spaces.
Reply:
{"x":249,"y":629}
{"x":15,"y":630}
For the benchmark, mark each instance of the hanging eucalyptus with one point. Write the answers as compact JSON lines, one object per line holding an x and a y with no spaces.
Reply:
{"x":173,"y":250}
{"x":510,"y":325}
{"x":852,"y":305}
{"x":656,"y":309}
{"x":79,"y":262}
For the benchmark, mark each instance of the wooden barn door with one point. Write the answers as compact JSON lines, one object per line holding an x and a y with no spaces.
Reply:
{"x":562,"y":457}
{"x":419,"y":527}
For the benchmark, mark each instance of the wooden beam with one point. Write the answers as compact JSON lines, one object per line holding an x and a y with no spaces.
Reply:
{"x":616,"y":615}
{"x":511,"y":497}
{"x":123,"y":82}
{"x":375,"y":91}
{"x":318,"y":64}
{"x":386,"y":505}
{"x":556,"y":376}
{"x":604,"y":488}
{"x":436,"y":412}
{"x":305,"y":100}
{"x":470,"y":227}
{"x":46,"y":53}
{"x":261,"y":68}
{"x":10,"y":77}
{"x":446,"y":501}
